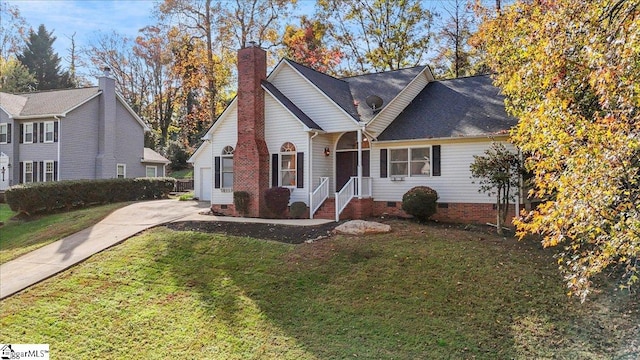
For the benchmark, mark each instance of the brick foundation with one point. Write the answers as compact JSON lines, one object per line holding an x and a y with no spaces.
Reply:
{"x":448,"y":212}
{"x":226,"y":210}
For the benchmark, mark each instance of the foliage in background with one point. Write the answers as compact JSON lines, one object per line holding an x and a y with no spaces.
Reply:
{"x":13,"y":30}
{"x":15,"y":77}
{"x":45,"y":197}
{"x":570,"y":71}
{"x":177,"y":154}
{"x":420,"y":202}
{"x":38,"y":56}
{"x":277,"y":200}
{"x":498,"y":173}
{"x":378,"y":35}
{"x":307,"y":45}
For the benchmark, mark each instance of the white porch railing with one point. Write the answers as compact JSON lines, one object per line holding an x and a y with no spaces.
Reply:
{"x":318,"y":196}
{"x":345,"y":195}
{"x":367,"y":183}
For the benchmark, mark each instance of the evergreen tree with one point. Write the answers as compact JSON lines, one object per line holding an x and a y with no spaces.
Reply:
{"x":38,"y":56}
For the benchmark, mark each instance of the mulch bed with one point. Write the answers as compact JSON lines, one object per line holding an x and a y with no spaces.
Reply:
{"x":282,"y":233}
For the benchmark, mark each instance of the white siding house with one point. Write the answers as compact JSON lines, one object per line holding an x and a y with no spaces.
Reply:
{"x":363,"y":141}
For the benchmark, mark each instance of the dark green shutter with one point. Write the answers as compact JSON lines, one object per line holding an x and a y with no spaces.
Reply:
{"x":55,"y":171}
{"x":300,"y":170}
{"x":55,"y":131}
{"x":42,"y":174}
{"x":8,"y":133}
{"x":21,"y":139}
{"x":436,"y":160}
{"x":383,"y":163}
{"x":21,"y":171}
{"x":41,"y":132}
{"x":34,"y":133}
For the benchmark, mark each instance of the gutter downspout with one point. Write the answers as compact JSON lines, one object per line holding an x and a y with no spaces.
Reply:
{"x":59,"y":132}
{"x":310,"y":182}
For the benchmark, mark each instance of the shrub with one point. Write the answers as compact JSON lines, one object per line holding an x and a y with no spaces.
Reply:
{"x":277,"y":200}
{"x":421,"y":202}
{"x":297,"y":210}
{"x":241,"y":201}
{"x":49,"y":196}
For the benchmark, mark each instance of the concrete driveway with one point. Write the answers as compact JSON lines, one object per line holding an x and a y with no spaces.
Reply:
{"x":123,"y":223}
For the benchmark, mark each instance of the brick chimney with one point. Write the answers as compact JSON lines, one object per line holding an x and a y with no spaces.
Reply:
{"x":251,"y":156}
{"x":106,"y":159}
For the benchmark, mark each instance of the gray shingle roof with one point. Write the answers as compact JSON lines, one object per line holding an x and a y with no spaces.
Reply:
{"x":461,"y":107}
{"x":150,"y":156}
{"x":55,"y":102}
{"x":386,"y":85}
{"x":291,"y":106}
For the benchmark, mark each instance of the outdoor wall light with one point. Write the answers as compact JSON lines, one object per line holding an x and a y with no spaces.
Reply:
{"x":327,"y":152}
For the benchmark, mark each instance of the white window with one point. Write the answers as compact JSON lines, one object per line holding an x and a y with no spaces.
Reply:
{"x":28,"y":172}
{"x":152,"y":171}
{"x":121,"y":171}
{"x":410,"y":162}
{"x":27,"y":135}
{"x":226,"y":167}
{"x":48,"y":171}
{"x":4,"y":133}
{"x":288,"y":165}
{"x":48,"y":132}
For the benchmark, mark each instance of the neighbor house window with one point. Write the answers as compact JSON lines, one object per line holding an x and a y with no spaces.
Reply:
{"x":226,"y":171}
{"x":288,"y":164}
{"x":27,"y":134}
{"x":48,"y":171}
{"x":4,"y":133}
{"x":121,"y":171}
{"x":410,"y":162}
{"x":48,"y":131}
{"x":152,"y":171}
{"x":28,"y":172}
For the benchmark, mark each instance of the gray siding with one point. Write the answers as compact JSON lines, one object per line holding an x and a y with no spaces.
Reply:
{"x":130,"y":143}
{"x":79,"y":142}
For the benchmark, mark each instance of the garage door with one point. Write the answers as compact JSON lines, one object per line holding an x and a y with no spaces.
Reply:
{"x":206,"y":183}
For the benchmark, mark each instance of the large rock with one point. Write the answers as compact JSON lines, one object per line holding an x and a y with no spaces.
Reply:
{"x":361,"y":227}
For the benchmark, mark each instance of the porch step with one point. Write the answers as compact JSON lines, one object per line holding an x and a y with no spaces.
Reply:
{"x":327,"y":210}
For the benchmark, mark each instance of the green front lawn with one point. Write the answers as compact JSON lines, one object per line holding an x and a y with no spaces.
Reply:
{"x":182,"y":174}
{"x":5,"y":213}
{"x":19,"y":236}
{"x":420,"y":292}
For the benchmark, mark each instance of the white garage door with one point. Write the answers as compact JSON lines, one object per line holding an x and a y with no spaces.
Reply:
{"x":206,"y":183}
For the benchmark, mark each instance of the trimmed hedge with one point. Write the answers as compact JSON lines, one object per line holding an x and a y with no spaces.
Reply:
{"x":277,"y":200}
{"x":49,"y":196}
{"x":421,"y":202}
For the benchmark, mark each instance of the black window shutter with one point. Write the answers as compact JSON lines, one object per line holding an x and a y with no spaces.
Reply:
{"x":34,"y":136}
{"x":8,"y":133}
{"x":21,"y":135}
{"x":300,"y":170}
{"x":41,"y":132}
{"x":436,"y":160}
{"x":55,"y":171}
{"x":274,"y":170}
{"x":42,"y":174}
{"x":21,"y":169}
{"x":34,"y":166}
{"x":383,"y":163}
{"x":217,"y":172}
{"x":55,"y":131}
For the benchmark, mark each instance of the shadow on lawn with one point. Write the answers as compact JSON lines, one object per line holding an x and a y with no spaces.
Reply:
{"x":419,"y":292}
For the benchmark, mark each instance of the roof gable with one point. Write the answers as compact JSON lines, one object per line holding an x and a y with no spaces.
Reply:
{"x":12,"y":104}
{"x":461,"y":107}
{"x":290,"y":106}
{"x":387,"y":85}
{"x":55,"y":102}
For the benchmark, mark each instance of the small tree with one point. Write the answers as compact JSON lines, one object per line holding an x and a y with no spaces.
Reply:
{"x":497,"y":173}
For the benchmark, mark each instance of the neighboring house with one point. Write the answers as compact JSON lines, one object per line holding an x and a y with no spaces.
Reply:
{"x":86,"y":133}
{"x":351,"y":147}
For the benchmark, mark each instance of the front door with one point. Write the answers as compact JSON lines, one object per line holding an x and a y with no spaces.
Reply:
{"x":4,"y":171}
{"x":347,"y":166}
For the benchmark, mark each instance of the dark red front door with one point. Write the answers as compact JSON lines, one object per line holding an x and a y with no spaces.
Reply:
{"x":347,"y":166}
